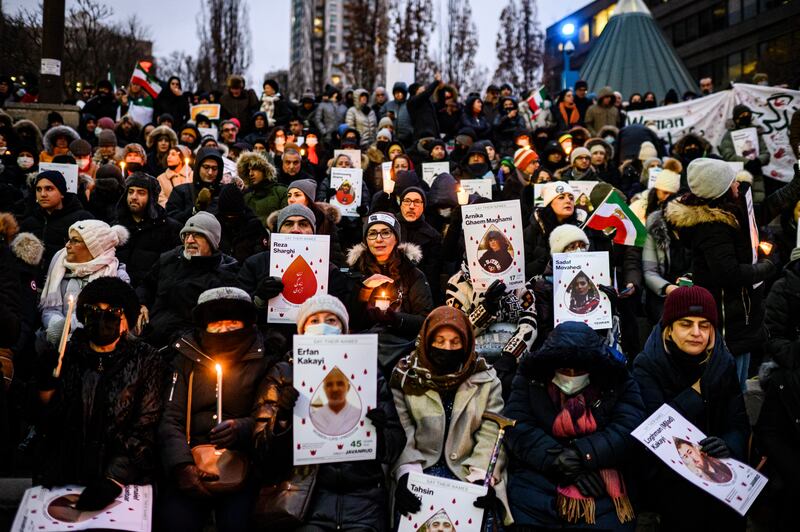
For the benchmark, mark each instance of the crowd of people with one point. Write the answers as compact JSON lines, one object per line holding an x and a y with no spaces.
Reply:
{"x":118,"y":299}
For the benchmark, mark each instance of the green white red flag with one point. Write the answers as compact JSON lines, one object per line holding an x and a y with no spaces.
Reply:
{"x":536,"y":100}
{"x":143,"y":78}
{"x":614,"y":212}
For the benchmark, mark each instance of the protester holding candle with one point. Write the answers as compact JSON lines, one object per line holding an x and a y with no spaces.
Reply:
{"x":225,"y":335}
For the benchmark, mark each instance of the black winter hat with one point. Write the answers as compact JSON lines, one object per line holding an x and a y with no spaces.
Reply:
{"x":223,"y":303}
{"x":231,"y":201}
{"x":272,"y":83}
{"x":110,"y":290}
{"x":54,"y":177}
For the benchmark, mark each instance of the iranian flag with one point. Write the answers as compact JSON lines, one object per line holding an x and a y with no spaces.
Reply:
{"x":615,"y":213}
{"x":536,"y":101}
{"x":143,"y":78}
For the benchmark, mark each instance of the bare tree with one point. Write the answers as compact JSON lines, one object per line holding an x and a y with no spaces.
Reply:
{"x":365,"y":41}
{"x":224,"y":33}
{"x":507,"y":47}
{"x":411,"y":34}
{"x":461,"y":45}
{"x":181,"y":65}
{"x":530,"y":40}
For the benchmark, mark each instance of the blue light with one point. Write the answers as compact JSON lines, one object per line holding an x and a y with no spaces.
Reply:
{"x":568,"y":29}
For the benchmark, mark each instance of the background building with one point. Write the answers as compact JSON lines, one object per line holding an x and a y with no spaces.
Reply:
{"x":727,"y":40}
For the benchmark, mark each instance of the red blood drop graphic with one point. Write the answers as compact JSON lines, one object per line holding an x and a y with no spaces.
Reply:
{"x":298,"y":446}
{"x":299,"y":282}
{"x":454,"y":501}
{"x":359,"y":388}
{"x":324,"y":367}
{"x":469,"y":522}
{"x":313,"y":452}
{"x":339,"y":445}
{"x":345,"y":356}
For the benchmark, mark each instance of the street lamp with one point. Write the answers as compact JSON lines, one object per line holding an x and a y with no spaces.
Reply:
{"x":567,"y":77}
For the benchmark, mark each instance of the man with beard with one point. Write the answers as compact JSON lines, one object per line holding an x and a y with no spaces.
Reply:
{"x":180,"y":275}
{"x":151,"y":231}
{"x":201,"y":194}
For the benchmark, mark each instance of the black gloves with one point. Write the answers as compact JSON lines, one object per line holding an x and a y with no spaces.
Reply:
{"x":378,"y":418}
{"x":225,"y":434}
{"x":567,"y":466}
{"x":405,"y":502}
{"x":269,"y":287}
{"x":590,"y":484}
{"x":191,"y":478}
{"x":715,"y":447}
{"x":490,"y":501}
{"x":287,"y":397}
{"x":376,"y":315}
{"x":362,"y":210}
{"x":491,"y":298}
{"x":331,"y":192}
{"x":753,"y":166}
{"x":611,"y":292}
{"x":97,"y":495}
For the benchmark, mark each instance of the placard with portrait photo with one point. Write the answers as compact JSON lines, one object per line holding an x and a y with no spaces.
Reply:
{"x":302,"y":263}
{"x":346,"y":182}
{"x":576,"y":288}
{"x":447,"y":505}
{"x":493,"y":240}
{"x":675,"y":441}
{"x":336,"y":376}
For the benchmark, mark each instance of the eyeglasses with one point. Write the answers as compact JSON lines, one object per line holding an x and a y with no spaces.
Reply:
{"x":93,"y":310}
{"x":209,"y":168}
{"x":228,"y":129}
{"x":410,"y":202}
{"x":75,"y":242}
{"x":386,"y":234}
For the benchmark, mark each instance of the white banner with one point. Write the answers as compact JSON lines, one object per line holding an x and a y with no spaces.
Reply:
{"x":708,"y":116}
{"x":446,"y":505}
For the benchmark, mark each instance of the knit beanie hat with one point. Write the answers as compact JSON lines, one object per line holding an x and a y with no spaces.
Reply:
{"x":106,"y":123}
{"x":98,"y":236}
{"x":419,"y":191}
{"x":231,"y":200}
{"x":107,"y":137}
{"x":110,"y":290}
{"x":385,"y":123}
{"x":686,"y":301}
{"x":647,"y":151}
{"x":564,"y":235}
{"x":709,"y":178}
{"x":382,"y":218}
{"x":204,"y":223}
{"x":580,"y":151}
{"x":112,"y":171}
{"x":295,"y":209}
{"x":223,"y":303}
{"x":597,"y":147}
{"x":80,"y":148}
{"x":555,"y":188}
{"x":322,"y":303}
{"x":524,"y":157}
{"x":54,"y":177}
{"x":306,"y":186}
{"x":668,"y":181}
{"x":384,"y":132}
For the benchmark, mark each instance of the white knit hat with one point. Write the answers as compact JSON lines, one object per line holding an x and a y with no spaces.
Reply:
{"x":554,"y":188}
{"x":709,"y":178}
{"x":564,"y":235}
{"x":99,"y":237}
{"x":578,"y":152}
{"x":322,"y":303}
{"x":647,"y":151}
{"x":668,"y":181}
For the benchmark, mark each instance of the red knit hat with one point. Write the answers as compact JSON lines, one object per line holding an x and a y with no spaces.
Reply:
{"x":689,"y":301}
{"x":523,"y":157}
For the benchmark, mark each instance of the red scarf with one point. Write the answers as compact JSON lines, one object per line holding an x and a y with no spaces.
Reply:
{"x":574,"y":115}
{"x":574,"y":420}
{"x":312,"y":155}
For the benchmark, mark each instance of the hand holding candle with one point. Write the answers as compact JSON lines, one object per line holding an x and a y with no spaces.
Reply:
{"x":382,"y":301}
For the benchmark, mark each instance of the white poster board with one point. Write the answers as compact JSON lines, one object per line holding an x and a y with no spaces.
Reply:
{"x":481,"y":187}
{"x":446,"y":505}
{"x":431,"y":170}
{"x":398,"y":71}
{"x":301,"y":262}
{"x":69,"y":171}
{"x":493,"y":239}
{"x":337,"y":377}
{"x":353,"y":155}
{"x":674,"y":440}
{"x":583,"y":194}
{"x":347,"y":184}
{"x":576,"y":292}
{"x":652,"y":175}
{"x":208,"y":131}
{"x":745,"y":142}
{"x":751,"y":217}
{"x":52,"y":509}
{"x":538,"y":199}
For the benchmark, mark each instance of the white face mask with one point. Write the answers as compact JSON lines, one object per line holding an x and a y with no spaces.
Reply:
{"x":322,"y":329}
{"x":445,"y":212}
{"x":83,"y":163}
{"x":570,"y":385}
{"x":24,"y":162}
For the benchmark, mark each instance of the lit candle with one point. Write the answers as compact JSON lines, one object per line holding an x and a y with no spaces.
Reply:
{"x":186,"y":161}
{"x":766,"y":247}
{"x":382,"y":302}
{"x":463,"y":195}
{"x":122,"y":165}
{"x":219,"y":394}
{"x":62,"y":346}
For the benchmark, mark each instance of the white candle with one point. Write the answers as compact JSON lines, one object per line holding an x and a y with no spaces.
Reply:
{"x":219,"y":394}
{"x":62,"y":346}
{"x":122,"y":165}
{"x":186,"y":161}
{"x":463,"y":195}
{"x":382,"y":302}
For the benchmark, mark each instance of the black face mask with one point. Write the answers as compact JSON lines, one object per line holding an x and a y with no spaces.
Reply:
{"x":227,"y":343}
{"x":744,"y":121}
{"x":478,"y":169}
{"x":445,"y":361}
{"x":382,"y":145}
{"x":133,"y":167}
{"x":102,"y":326}
{"x":692,"y":152}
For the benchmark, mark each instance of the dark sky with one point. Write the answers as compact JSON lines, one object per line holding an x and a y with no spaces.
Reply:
{"x":172,"y":26}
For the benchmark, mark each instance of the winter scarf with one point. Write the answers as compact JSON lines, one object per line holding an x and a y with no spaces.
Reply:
{"x":268,"y":106}
{"x":575,"y":420}
{"x":415,"y":379}
{"x":570,"y":115}
{"x":104,"y":265}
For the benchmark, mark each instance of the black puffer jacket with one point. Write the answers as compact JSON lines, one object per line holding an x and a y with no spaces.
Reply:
{"x":245,"y":364}
{"x":782,"y":316}
{"x":722,"y":258}
{"x":172,"y":286}
{"x":119,"y":438}
{"x":155,"y":234}
{"x":429,"y":240}
{"x":182,"y":202}
{"x":53,"y":228}
{"x":347,"y":494}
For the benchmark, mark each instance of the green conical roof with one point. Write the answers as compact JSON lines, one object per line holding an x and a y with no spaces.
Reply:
{"x":632,"y":55}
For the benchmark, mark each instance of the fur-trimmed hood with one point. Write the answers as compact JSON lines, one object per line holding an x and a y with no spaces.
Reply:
{"x":253,"y":160}
{"x":658,"y":229}
{"x":54,"y":132}
{"x":157,"y":132}
{"x":27,"y":129}
{"x":682,"y":216}
{"x":25,"y":246}
{"x":410,"y":251}
{"x":679,"y":146}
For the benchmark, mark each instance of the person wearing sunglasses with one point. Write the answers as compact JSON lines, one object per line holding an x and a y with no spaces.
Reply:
{"x":101,"y":412}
